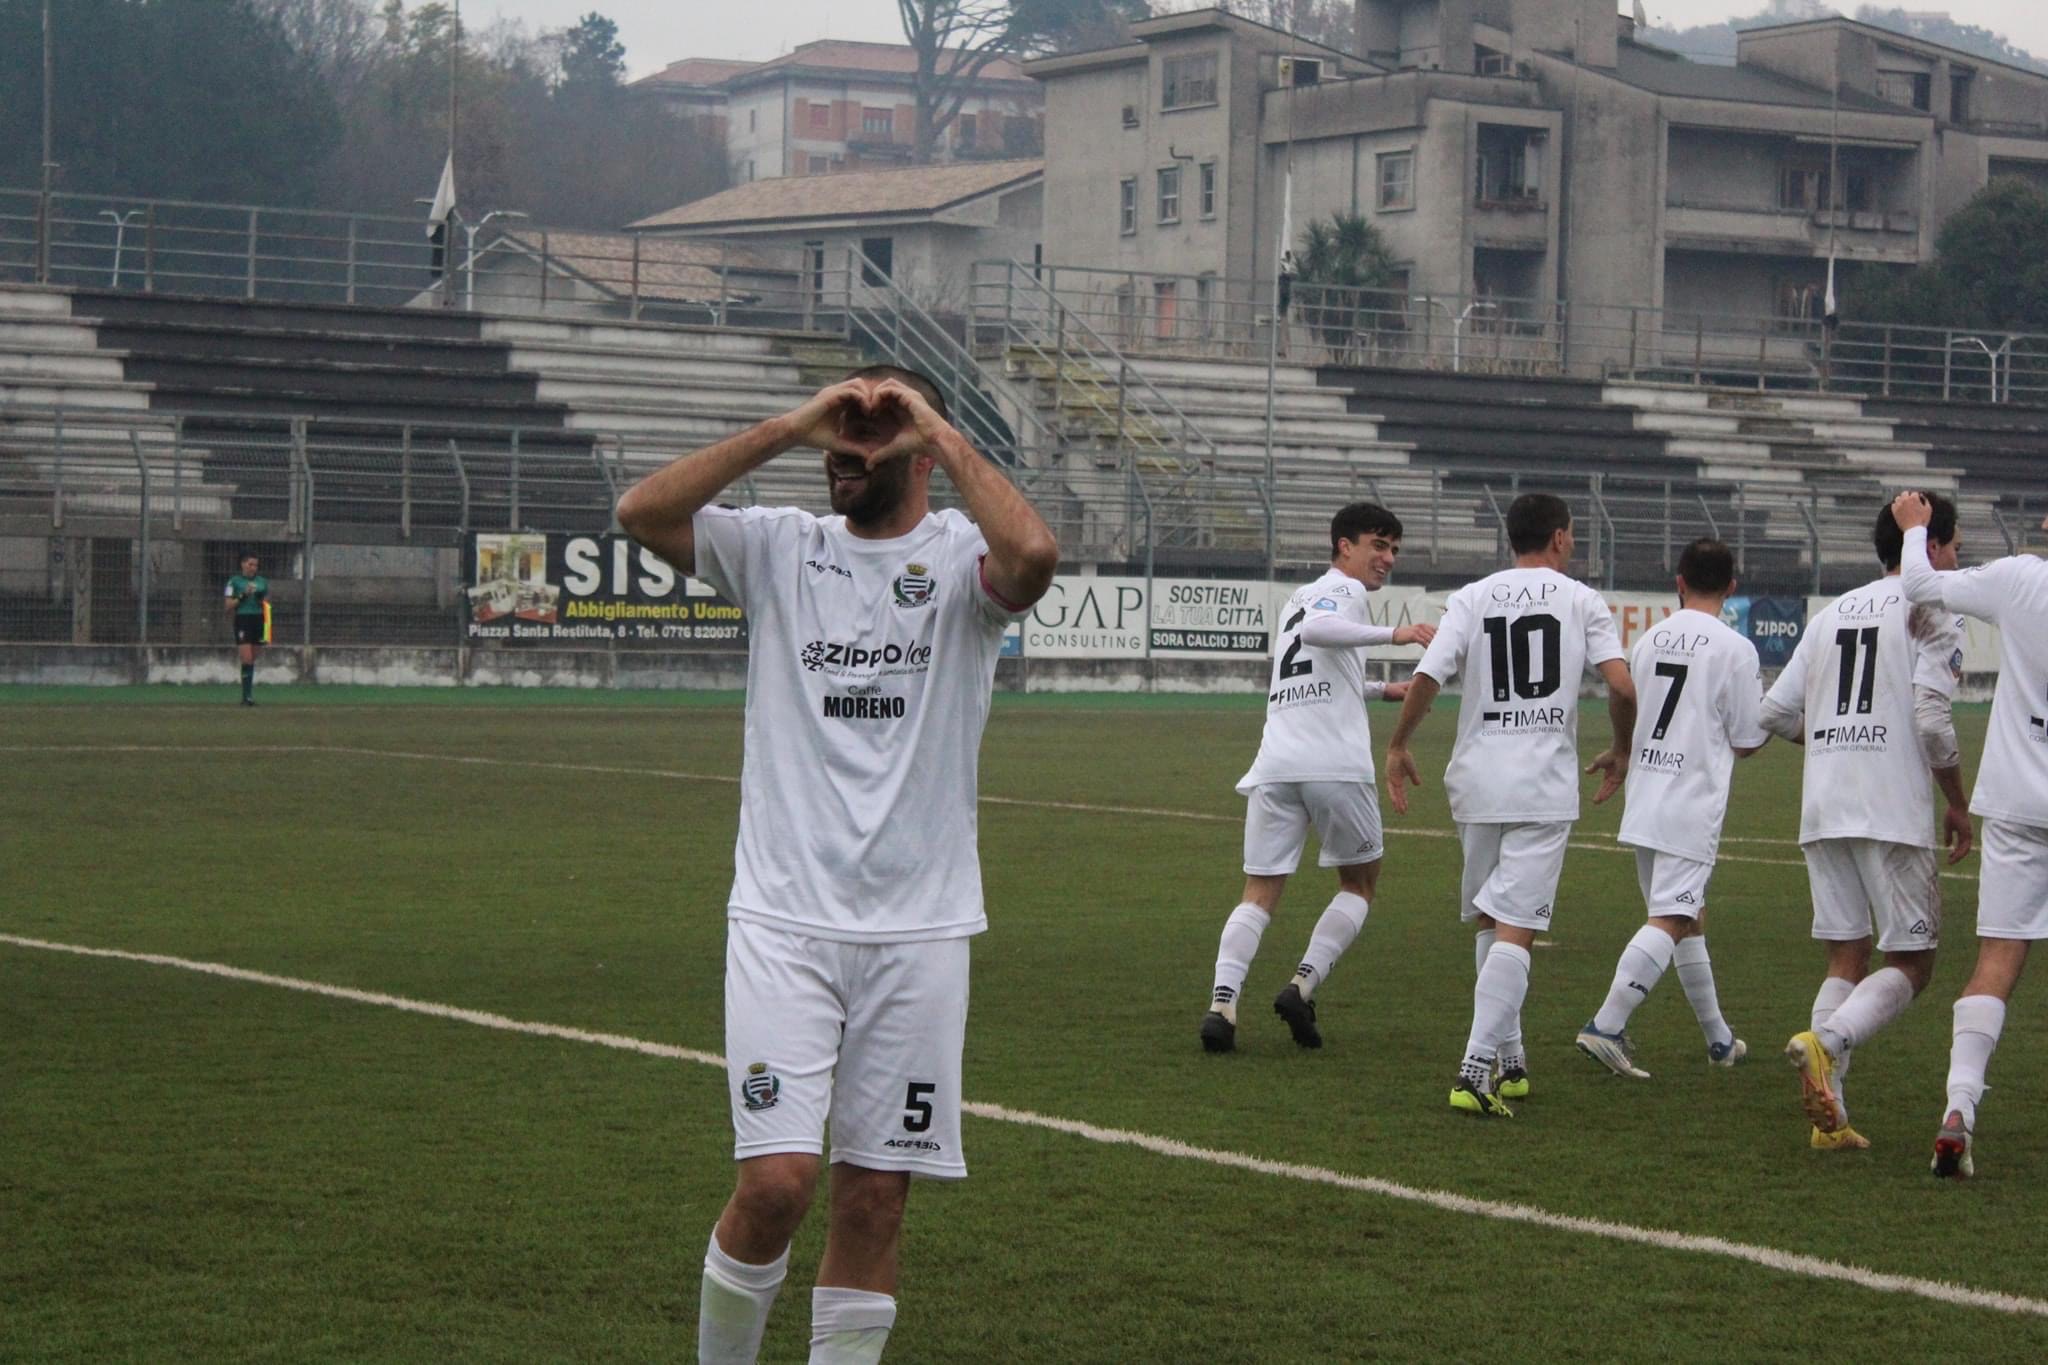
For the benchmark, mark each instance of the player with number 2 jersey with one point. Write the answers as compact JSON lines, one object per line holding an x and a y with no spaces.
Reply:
{"x":1314,"y":767}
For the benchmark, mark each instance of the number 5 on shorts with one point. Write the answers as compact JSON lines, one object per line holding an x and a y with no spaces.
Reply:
{"x":917,"y":1109}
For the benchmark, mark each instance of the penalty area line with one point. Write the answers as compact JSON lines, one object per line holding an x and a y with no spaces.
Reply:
{"x":1768,"y":1258}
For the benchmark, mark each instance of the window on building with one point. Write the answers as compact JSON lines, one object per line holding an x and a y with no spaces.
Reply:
{"x":821,"y":118}
{"x":1127,"y":206}
{"x":963,"y":131}
{"x":880,"y":264}
{"x":1803,"y":187}
{"x":817,"y":165}
{"x":1187,"y":81}
{"x":1959,"y":97}
{"x":814,"y":267}
{"x":753,"y":117}
{"x":1510,"y":166}
{"x":878,"y":122}
{"x":1165,"y":307}
{"x":1396,"y":180}
{"x":1205,"y":304}
{"x":1488,"y":62}
{"x":1169,"y":195}
{"x":1208,"y":189}
{"x":1914,"y":88}
{"x":750,"y":170}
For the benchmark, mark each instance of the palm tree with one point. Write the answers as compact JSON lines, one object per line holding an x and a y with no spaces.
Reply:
{"x":1341,"y":259}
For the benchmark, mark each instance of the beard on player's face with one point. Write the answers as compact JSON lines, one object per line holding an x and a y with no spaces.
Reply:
{"x":867,"y":496}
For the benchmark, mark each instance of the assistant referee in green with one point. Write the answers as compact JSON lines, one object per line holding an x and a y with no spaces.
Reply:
{"x":246,"y":592}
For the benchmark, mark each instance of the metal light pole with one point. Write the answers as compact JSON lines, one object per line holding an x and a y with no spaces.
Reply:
{"x":469,"y":232}
{"x":120,"y":231}
{"x":44,"y":226}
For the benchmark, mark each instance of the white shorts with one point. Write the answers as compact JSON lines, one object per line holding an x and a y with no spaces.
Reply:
{"x":867,"y":1035}
{"x":1672,"y":886}
{"x":1277,"y":816}
{"x":2012,"y":898}
{"x":1861,"y":886}
{"x":1511,"y":871}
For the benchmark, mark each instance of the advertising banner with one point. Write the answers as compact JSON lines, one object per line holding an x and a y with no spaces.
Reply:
{"x":1090,"y":617}
{"x":530,"y":588}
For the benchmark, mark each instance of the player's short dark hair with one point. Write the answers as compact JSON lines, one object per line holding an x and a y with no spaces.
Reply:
{"x":250,"y":554}
{"x":1533,"y":519}
{"x":1890,"y":541}
{"x":1357,"y":520}
{"x":1707,"y":566}
{"x":926,"y":389}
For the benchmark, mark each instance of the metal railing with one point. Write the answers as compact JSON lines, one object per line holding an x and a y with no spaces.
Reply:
{"x":884,"y":320}
{"x":119,"y":527}
{"x":497,"y":264}
{"x":1208,"y":316}
{"x":1092,"y":387}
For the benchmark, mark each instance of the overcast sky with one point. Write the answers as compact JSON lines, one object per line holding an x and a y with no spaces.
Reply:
{"x":657,"y":32}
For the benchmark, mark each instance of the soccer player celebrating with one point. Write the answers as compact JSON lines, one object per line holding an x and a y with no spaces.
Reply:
{"x":1701,"y":686}
{"x":1523,"y":637}
{"x":872,"y":644}
{"x":1314,"y":766}
{"x":245,"y":595}
{"x":1868,"y":693}
{"x":2011,"y":796}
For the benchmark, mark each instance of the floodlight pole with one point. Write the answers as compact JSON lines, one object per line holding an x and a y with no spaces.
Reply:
{"x":44,"y":225}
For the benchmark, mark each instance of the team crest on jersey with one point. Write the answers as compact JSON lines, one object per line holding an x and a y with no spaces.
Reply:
{"x":762,"y":1087}
{"x":1326,"y":604}
{"x":915,"y":586}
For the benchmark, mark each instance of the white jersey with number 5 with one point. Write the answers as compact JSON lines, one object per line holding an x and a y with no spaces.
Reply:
{"x":869,"y":669}
{"x":1698,"y":691}
{"x":1522,"y":638}
{"x":1315,"y":698}
{"x":1853,"y":677}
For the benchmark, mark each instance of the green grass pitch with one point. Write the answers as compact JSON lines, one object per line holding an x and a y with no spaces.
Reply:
{"x":212,"y":1170}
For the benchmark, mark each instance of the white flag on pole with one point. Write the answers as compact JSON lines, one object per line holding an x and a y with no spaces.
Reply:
{"x":444,"y":197}
{"x":1828,"y":314}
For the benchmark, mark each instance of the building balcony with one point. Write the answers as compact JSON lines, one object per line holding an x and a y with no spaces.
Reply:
{"x":1866,"y":234}
{"x":1513,"y":219}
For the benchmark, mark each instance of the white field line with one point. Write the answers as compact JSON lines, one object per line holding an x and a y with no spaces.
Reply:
{"x":671,"y":774}
{"x":1770,"y":1258}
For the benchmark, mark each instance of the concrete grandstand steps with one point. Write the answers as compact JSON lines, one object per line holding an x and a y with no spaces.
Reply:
{"x":29,"y":300}
{"x":231,"y":344}
{"x":656,"y":367}
{"x":240,"y":315}
{"x":331,"y":381}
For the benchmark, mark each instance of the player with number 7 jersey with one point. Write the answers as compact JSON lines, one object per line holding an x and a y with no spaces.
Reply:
{"x":1700,"y":685}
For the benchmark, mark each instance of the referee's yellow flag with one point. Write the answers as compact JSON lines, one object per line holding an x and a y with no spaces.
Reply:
{"x":266,"y":623}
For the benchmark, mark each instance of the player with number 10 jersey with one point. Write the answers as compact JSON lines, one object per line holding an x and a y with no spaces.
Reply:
{"x":1522,"y":639}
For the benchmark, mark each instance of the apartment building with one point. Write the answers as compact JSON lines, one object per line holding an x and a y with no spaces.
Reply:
{"x":834,"y":105}
{"x":1531,"y":150}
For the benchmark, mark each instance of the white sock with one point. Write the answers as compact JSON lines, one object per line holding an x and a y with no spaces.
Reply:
{"x":1833,"y":992}
{"x":1877,"y":1000}
{"x":733,"y":1304}
{"x":1509,"y":1054}
{"x":1978,"y":1021}
{"x":1334,"y":932}
{"x":1642,"y":962}
{"x":1696,"y":974}
{"x":1496,"y":1003}
{"x":1234,"y":954}
{"x":849,"y":1326}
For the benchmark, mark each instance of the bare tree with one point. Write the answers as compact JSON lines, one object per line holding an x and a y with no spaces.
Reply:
{"x":955,"y":41}
{"x":339,"y":37}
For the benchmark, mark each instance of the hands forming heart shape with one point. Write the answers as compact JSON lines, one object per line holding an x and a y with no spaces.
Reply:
{"x":868,"y":423}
